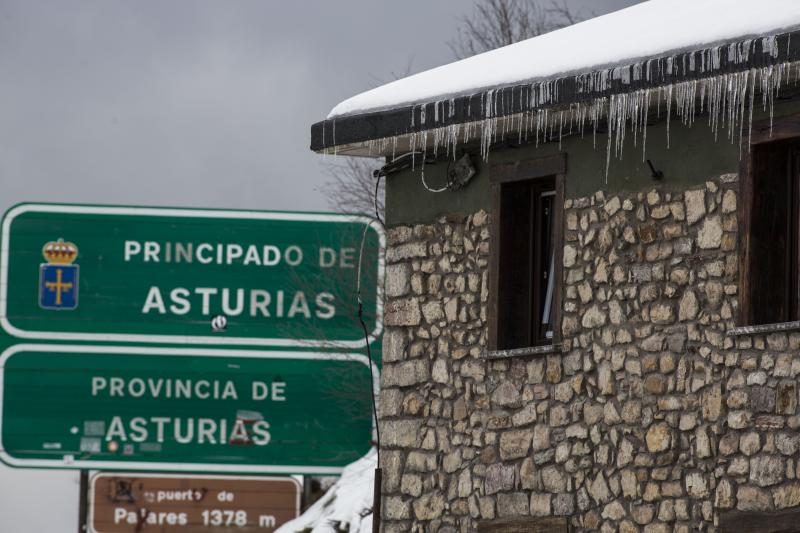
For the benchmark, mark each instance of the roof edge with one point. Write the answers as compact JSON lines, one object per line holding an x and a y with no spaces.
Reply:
{"x":730,"y":57}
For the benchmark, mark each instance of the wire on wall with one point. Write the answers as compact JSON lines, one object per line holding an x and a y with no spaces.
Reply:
{"x":376,"y":497}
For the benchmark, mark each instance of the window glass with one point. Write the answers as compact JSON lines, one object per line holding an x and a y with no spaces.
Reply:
{"x":526,"y":264}
{"x":773,"y":281}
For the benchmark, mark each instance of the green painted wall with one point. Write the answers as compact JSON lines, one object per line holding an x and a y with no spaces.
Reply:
{"x":692,"y":157}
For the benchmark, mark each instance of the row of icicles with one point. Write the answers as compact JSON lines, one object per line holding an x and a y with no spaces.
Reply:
{"x":727,"y":99}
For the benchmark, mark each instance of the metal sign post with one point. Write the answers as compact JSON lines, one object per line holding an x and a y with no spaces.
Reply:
{"x":83,"y":498}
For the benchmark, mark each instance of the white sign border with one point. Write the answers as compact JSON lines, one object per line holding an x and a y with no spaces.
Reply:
{"x":12,"y":330}
{"x":73,"y":464}
{"x":98,"y":475}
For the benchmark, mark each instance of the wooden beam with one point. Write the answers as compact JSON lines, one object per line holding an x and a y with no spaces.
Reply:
{"x":494,"y":266}
{"x":558,"y":249}
{"x":526,"y":169}
{"x":550,"y":524}
{"x":744,"y":213}
{"x":760,"y":522}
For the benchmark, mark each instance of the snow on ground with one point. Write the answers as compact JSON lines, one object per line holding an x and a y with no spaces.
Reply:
{"x":344,"y":506}
{"x":653,"y":28}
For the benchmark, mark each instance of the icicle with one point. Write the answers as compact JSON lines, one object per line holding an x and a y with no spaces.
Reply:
{"x":530,"y":110}
{"x":644,"y":124}
{"x":669,"y":110}
{"x":611,"y":107}
{"x":769,"y":46}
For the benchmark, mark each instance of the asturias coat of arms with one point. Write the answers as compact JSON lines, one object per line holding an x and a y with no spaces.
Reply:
{"x":58,"y":278}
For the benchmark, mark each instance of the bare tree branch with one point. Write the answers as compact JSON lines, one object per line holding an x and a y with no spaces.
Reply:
{"x":350,"y":187}
{"x":496,"y":23}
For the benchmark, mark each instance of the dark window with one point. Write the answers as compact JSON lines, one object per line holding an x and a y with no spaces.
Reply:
{"x":772,"y":288}
{"x":526,"y":263}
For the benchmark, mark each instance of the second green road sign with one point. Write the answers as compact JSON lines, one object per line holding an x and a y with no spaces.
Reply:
{"x":180,"y":339}
{"x":183,"y":409}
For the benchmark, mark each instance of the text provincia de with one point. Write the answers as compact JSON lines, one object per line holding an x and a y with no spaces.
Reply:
{"x":185,"y":430}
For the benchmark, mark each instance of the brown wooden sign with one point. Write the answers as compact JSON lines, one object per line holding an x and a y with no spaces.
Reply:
{"x":145,"y":503}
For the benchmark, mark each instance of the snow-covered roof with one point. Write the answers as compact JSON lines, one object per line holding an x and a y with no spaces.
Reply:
{"x":652,"y":28}
{"x":608,"y":69}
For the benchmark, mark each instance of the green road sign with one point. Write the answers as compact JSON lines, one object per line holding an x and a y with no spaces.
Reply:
{"x":185,"y":339}
{"x":153,"y":275}
{"x":187,"y":409}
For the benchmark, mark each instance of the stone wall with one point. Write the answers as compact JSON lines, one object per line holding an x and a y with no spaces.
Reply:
{"x":650,"y":417}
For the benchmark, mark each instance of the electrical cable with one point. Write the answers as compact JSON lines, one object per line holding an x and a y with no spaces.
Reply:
{"x":375,"y":199}
{"x":372,"y":384}
{"x":429,"y":189}
{"x":360,"y":302}
{"x":377,"y":482}
{"x":366,"y":339}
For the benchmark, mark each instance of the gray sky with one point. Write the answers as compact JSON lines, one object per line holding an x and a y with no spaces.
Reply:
{"x":196,"y":103}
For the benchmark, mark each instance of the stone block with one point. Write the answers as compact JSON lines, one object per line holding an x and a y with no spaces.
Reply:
{"x":515,"y":444}
{"x":658,"y":438}
{"x":753,"y":499}
{"x":786,"y":398}
{"x":506,"y":395}
{"x":540,"y":504}
{"x":553,"y":479}
{"x":499,"y":478}
{"x":429,"y":506}
{"x":762,"y":399}
{"x":695,"y":205}
{"x":403,"y":312}
{"x":598,"y":489}
{"x":411,"y":485}
{"x":405,"y":374}
{"x":395,"y":508}
{"x":724,"y":495}
{"x":710,"y":234}
{"x":766,"y":470}
{"x":750,"y":443}
{"x":512,"y":504}
{"x":696,"y":485}
{"x":398,"y":280}
{"x":786,"y":496}
{"x":400,"y":433}
{"x":614,"y":511}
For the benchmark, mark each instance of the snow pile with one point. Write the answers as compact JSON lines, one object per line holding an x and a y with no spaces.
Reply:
{"x":653,"y":28}
{"x":347,"y":506}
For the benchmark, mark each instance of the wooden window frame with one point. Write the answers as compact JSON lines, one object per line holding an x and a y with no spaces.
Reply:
{"x":545,"y":524}
{"x":550,"y":167}
{"x":759,"y":521}
{"x":763,"y":132}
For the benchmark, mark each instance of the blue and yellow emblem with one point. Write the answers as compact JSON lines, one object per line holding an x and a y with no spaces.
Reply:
{"x":58,"y":278}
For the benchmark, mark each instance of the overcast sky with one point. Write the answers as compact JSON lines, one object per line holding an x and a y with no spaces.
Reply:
{"x":197,"y":103}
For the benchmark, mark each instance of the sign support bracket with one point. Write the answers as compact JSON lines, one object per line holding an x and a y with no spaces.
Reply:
{"x":83,"y":501}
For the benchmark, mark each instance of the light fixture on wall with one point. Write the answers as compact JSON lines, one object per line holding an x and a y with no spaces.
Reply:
{"x":655,"y":174}
{"x":460,"y":173}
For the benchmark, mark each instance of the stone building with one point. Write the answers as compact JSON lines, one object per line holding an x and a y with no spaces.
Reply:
{"x":594,"y":323}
